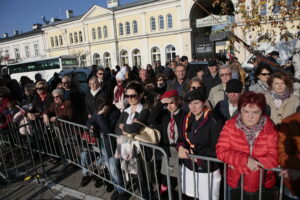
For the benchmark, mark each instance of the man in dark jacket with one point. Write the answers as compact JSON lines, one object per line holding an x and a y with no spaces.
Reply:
{"x":211,"y":77}
{"x":180,"y":82}
{"x":228,"y":107}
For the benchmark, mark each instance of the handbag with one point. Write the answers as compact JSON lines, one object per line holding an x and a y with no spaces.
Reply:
{"x":147,"y":135}
{"x":266,"y":193}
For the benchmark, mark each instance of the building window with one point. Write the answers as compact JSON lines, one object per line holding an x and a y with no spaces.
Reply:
{"x":124,"y":57}
{"x":83,"y":61}
{"x":36,"y":49}
{"x":135,"y":26}
{"x":99,"y":33}
{"x":80,"y":37}
{"x":27,"y":52}
{"x":152,"y":24}
{"x":161,"y":22}
{"x":60,"y":40}
{"x":170,"y":53}
{"x":155,"y":54}
{"x":56,"y":41}
{"x":105,"y":33}
{"x":96,"y":59}
{"x":71,"y":38}
{"x":75,"y":37}
{"x":136,"y":58}
{"x":127,"y":25}
{"x":170,"y":21}
{"x":17,"y":54}
{"x":107,"y":60}
{"x":52,"y":42}
{"x":7,"y":53}
{"x":121,"y":31}
{"x":93,"y":33}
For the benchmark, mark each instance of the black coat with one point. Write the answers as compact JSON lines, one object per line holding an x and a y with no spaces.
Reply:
{"x":204,"y":139}
{"x":159,"y":118}
{"x":91,"y":101}
{"x":222,"y":109}
{"x":40,"y":106}
{"x":210,"y":82}
{"x":134,"y":127}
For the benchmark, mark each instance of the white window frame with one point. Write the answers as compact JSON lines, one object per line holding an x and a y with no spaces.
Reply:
{"x":36,"y":49}
{"x":169,"y":51}
{"x":121,"y":29}
{"x":93,"y":34}
{"x":169,"y":21}
{"x":155,"y":55}
{"x":107,"y":60}
{"x":99,"y":31}
{"x":127,"y":28}
{"x":136,"y":58}
{"x":96,"y":59}
{"x":152,"y":24}
{"x":27,"y":51}
{"x":161,"y":22}
{"x":134,"y":27}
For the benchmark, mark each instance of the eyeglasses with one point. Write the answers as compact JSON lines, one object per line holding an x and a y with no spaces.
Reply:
{"x":225,"y":74}
{"x":41,"y":88}
{"x":56,"y":97}
{"x":130,"y":96}
{"x":265,"y":74}
{"x":100,"y":73}
{"x":195,"y":88}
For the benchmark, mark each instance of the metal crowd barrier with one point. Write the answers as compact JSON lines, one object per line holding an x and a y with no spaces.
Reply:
{"x":23,"y":155}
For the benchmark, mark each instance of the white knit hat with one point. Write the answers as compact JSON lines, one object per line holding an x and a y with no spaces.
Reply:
{"x":120,"y":76}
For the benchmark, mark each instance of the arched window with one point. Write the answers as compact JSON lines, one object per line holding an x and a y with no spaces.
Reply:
{"x":99,"y":32}
{"x":80,"y":37}
{"x":155,"y":54}
{"x":287,"y":37}
{"x":170,"y":53}
{"x":124,"y":57}
{"x":75,"y":37}
{"x":121,"y":31}
{"x":83,"y":61}
{"x":136,"y":58}
{"x":170,"y":21}
{"x":93,"y":33}
{"x":264,"y":39}
{"x":135,"y":26}
{"x":127,"y":25}
{"x":263,"y":8}
{"x":96,"y":59}
{"x":161,"y":22}
{"x":105,"y":32}
{"x":52,"y":41}
{"x":61,"y":40}
{"x":71,"y":38}
{"x":152,"y":24}
{"x":56,"y":41}
{"x":107,"y":60}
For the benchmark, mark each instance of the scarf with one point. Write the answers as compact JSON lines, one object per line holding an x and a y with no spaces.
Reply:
{"x":95,"y":92}
{"x":279,"y":99}
{"x":118,"y":93}
{"x":263,"y":86}
{"x":252,"y":132}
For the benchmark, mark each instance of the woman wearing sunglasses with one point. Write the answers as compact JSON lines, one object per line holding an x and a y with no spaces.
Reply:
{"x":195,"y":83}
{"x":127,"y":124}
{"x":41,"y":100}
{"x":262,"y":74}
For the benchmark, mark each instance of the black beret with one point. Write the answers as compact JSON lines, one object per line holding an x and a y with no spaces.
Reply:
{"x":198,"y":94}
{"x":234,"y":85}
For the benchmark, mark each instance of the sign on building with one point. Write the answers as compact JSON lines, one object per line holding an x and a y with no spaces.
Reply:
{"x":211,"y":20}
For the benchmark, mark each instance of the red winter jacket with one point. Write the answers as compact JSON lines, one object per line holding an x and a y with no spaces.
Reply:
{"x":233,"y":149}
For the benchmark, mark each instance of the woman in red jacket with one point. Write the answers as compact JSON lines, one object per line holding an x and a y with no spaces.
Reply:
{"x":247,"y":143}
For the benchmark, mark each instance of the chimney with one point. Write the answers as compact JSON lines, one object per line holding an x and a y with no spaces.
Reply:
{"x":16,"y":32}
{"x":69,"y":14}
{"x":36,"y":26}
{"x":112,"y":3}
{"x":5,"y":35}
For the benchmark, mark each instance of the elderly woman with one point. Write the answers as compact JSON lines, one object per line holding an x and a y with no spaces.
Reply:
{"x":247,"y":143}
{"x":201,"y":132}
{"x":168,"y":116}
{"x":280,"y":98}
{"x":41,"y":100}
{"x":262,"y":73}
{"x":60,"y":108}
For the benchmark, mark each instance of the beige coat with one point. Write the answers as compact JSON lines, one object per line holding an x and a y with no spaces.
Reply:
{"x":216,"y":94}
{"x":286,"y":109}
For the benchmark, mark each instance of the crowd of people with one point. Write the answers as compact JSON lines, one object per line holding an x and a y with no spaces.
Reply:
{"x":249,"y":123}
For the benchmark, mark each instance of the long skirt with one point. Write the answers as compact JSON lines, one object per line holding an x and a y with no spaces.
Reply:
{"x":196,"y":184}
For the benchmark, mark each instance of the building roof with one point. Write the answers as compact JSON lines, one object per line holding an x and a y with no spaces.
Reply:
{"x":22,"y":35}
{"x":64,"y":21}
{"x":132,"y":4}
